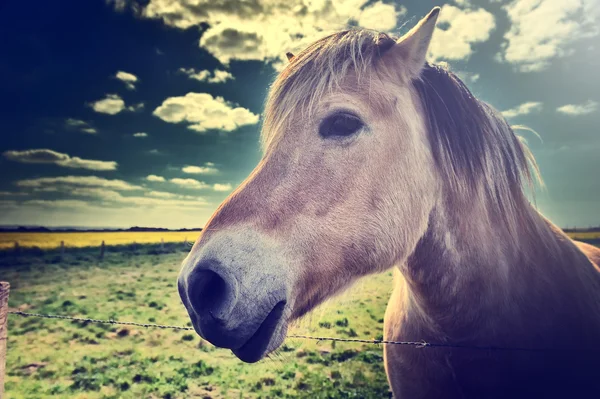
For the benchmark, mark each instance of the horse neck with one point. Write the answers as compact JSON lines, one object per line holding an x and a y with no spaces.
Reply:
{"x":467,"y":264}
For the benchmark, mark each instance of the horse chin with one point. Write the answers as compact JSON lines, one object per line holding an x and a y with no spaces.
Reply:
{"x":269,"y":336}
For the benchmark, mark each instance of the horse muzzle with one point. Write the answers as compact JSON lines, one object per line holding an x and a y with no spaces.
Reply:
{"x":233,"y":301}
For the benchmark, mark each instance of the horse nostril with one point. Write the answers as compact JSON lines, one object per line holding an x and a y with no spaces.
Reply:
{"x":210,"y":293}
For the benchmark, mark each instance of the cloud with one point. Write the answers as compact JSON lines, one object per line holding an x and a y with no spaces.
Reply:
{"x":222,"y":187}
{"x":523,"y":109}
{"x":207,"y":169}
{"x":80,"y":125}
{"x":155,"y":178}
{"x":217,"y":76}
{"x":43,"y":155}
{"x":107,"y":201}
{"x":544,"y":30}
{"x":128,"y":78}
{"x":11,"y":193}
{"x":468,"y":77}
{"x":112,"y":104}
{"x":189,"y":183}
{"x":266,"y":29}
{"x":160,"y":198}
{"x":578,"y":109}
{"x":380,"y":16}
{"x":458,"y":30}
{"x":161,"y":194}
{"x":84,"y":181}
{"x":95,"y":192}
{"x":140,"y":134}
{"x":204,"y":112}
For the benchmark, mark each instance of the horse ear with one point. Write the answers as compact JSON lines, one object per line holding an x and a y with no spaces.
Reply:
{"x":289,"y":56}
{"x":412,"y":47}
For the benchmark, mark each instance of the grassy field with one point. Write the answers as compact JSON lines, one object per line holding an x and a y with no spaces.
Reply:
{"x":61,"y":359}
{"x":89,"y":239}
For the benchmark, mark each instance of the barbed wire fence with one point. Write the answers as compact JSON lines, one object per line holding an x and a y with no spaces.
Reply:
{"x":419,"y":344}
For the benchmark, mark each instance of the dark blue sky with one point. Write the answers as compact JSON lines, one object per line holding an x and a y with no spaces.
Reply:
{"x":79,"y":79}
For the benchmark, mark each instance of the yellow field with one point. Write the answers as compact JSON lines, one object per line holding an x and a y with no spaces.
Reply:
{"x":87,"y":239}
{"x":587,"y":235}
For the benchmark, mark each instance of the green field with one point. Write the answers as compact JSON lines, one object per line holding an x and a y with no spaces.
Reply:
{"x":63,"y":359}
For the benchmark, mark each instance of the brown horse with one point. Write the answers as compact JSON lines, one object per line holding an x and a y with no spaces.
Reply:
{"x":375,"y":159}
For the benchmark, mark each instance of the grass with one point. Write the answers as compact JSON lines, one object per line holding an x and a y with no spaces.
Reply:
{"x":61,"y":359}
{"x":88,"y":239}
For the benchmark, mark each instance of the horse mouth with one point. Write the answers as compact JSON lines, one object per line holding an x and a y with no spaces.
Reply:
{"x":256,"y":346}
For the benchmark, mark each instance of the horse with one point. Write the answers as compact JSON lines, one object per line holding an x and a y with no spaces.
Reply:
{"x":375,"y":159}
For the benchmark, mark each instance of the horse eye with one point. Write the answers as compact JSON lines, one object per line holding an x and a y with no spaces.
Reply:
{"x":340,"y":125}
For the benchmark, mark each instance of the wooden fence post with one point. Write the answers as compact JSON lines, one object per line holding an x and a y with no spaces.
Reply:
{"x":62,"y":250}
{"x":185,"y":242}
{"x":102,"y":250}
{"x":17,"y":249}
{"x":4,"y":289}
{"x":162,"y":245}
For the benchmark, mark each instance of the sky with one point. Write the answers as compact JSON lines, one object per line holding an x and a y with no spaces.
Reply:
{"x":147,"y":113}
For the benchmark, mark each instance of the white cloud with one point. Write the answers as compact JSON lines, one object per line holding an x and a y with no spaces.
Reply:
{"x":81,"y":125}
{"x":112,"y":104}
{"x":222,"y":187}
{"x":578,"y":109}
{"x":523,"y":109}
{"x":469,"y":77}
{"x":61,"y":203}
{"x":95,"y":192}
{"x":203,"y":112}
{"x":161,"y":194}
{"x":43,"y":155}
{"x":189,"y":183}
{"x":266,"y":29}
{"x":217,"y":76}
{"x":12,"y":193}
{"x":380,"y":16}
{"x":458,"y":30}
{"x":84,"y":181}
{"x":155,"y":178}
{"x":128,"y":78}
{"x":136,"y":107}
{"x":140,"y":134}
{"x":544,"y":30}
{"x":207,"y":169}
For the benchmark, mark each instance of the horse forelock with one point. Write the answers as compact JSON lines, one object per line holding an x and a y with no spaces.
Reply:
{"x":319,"y":69}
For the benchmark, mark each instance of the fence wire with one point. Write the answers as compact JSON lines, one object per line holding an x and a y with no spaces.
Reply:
{"x":417,"y":344}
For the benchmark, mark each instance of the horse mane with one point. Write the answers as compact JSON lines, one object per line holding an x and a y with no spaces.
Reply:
{"x":475,"y":149}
